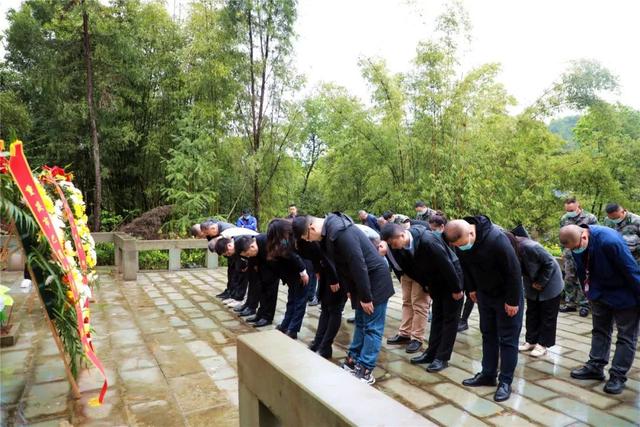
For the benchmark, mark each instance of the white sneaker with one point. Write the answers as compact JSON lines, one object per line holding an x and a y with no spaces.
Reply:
{"x":539,"y":351}
{"x":235,"y":304}
{"x":25,"y":283}
{"x":227,"y":301}
{"x":526,"y":347}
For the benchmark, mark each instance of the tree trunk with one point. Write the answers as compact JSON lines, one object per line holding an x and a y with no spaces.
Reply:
{"x":97,"y":195}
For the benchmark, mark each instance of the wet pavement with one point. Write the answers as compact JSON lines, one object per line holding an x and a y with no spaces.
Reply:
{"x":169,"y":349}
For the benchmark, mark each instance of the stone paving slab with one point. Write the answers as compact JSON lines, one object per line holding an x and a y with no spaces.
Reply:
{"x":170,"y":351}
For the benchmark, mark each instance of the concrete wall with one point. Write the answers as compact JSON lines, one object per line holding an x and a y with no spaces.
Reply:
{"x":282,"y":383}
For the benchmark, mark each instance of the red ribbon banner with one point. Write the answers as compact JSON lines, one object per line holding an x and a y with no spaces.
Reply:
{"x":23,"y":178}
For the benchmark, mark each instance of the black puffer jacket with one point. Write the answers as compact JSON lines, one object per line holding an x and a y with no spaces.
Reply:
{"x":360,"y":268}
{"x":491,"y":266}
{"x":430,"y":262}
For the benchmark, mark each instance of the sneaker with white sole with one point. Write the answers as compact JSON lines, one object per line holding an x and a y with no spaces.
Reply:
{"x":539,"y":351}
{"x":235,"y":304}
{"x":364,"y":374}
{"x":526,"y":347}
{"x":227,"y":301}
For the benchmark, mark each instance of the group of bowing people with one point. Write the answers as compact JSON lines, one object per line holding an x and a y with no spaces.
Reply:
{"x":445,"y":259}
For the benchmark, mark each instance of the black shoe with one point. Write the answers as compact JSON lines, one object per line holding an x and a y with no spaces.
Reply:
{"x":615,"y":385}
{"x":584,"y":312}
{"x":437,"y":365}
{"x":223,"y":295}
{"x":247,"y":312}
{"x":503,"y":392}
{"x":314,"y":302}
{"x":480,"y":380}
{"x":239,"y":308}
{"x":587,"y":373}
{"x":349,"y":365}
{"x":413,"y":346}
{"x":260,"y":323}
{"x":567,"y":309}
{"x":325,"y":353}
{"x":252,"y":319}
{"x":398,"y":339}
{"x":365,"y":375}
{"x":292,"y":334}
{"x":313,"y":346}
{"x":351,"y":320}
{"x":422,"y":359}
{"x":463,"y":326}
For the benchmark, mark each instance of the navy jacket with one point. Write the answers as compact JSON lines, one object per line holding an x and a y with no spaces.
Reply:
{"x":491,"y":266}
{"x":372,"y":222}
{"x":614,"y":275}
{"x":360,"y":267}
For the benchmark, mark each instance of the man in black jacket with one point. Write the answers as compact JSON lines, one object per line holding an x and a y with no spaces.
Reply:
{"x":493,"y":279}
{"x":365,"y":276}
{"x":269,"y":273}
{"x":427,"y":259}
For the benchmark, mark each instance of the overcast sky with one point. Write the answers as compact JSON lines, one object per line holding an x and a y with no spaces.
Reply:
{"x":533,"y":40}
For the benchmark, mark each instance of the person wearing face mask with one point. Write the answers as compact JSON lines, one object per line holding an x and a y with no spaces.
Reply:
{"x":493,"y":279}
{"x":437,"y":223}
{"x":423,"y":213}
{"x":247,"y":221}
{"x":573,"y":294}
{"x":611,"y":280}
{"x":627,"y":224}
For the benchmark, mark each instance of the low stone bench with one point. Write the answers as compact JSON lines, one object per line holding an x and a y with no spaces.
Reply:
{"x":282,"y":383}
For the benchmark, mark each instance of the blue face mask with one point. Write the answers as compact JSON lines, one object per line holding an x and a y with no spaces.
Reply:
{"x":572,"y":214}
{"x":579,"y":250}
{"x":466,"y":247}
{"x":438,"y":232}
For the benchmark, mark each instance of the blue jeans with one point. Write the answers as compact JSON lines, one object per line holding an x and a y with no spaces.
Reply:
{"x":367,"y":336}
{"x":296,"y":307}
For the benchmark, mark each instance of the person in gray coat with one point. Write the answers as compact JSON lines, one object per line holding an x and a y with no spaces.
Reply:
{"x":543,"y":284}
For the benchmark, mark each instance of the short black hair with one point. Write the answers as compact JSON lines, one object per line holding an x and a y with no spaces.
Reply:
{"x":300,"y":224}
{"x":438,"y":219}
{"x":246,"y":211}
{"x":570,"y":199}
{"x":612,"y":207}
{"x":420,"y":204}
{"x":220,"y":246}
{"x":390,"y":231}
{"x":207,"y":224}
{"x":242,"y":243}
{"x":292,"y":205}
{"x":387,"y":215}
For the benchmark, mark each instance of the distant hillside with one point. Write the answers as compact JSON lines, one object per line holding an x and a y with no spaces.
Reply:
{"x":563,"y":127}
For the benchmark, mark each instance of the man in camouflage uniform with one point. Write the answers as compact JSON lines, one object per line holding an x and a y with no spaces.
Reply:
{"x":423,"y":213}
{"x":627,"y":224}
{"x":573,"y":294}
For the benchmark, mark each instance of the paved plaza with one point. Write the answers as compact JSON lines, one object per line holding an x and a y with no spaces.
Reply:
{"x":169,"y":349}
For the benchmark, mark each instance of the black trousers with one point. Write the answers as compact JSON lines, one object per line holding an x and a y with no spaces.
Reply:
{"x":627,"y":321}
{"x":542,"y":319}
{"x":268,"y":299}
{"x":467,"y":309}
{"x":444,"y":326}
{"x":254,"y":291}
{"x":500,"y":335}
{"x":328,"y":327}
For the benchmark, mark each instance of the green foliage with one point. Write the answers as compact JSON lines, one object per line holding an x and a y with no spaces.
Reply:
{"x":153,"y":260}
{"x":563,"y":127}
{"x":105,"y":253}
